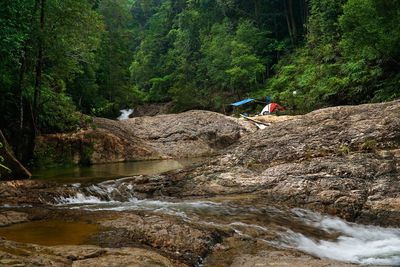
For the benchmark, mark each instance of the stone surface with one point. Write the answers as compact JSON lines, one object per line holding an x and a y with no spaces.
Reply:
{"x":189,"y":134}
{"x":185,"y":135}
{"x":343,"y":161}
{"x":283,"y":259}
{"x":152,"y":109}
{"x":17,"y":254}
{"x":174,"y":237}
{"x":337,"y":130}
{"x":12,"y":217}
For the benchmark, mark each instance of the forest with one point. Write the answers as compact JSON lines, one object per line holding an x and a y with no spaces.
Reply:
{"x":62,"y":59}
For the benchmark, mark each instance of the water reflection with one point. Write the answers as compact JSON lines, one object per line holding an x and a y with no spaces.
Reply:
{"x":50,"y":233}
{"x":102,"y":172}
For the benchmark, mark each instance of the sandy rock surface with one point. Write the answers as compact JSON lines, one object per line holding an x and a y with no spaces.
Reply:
{"x":185,"y":135}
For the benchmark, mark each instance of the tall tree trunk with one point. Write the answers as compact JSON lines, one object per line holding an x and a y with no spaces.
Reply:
{"x":257,"y":11}
{"x":39,"y":63}
{"x":23,"y":66}
{"x":292,"y":19}
{"x":21,"y":78}
{"x":19,"y":146}
{"x":289,"y":25}
{"x":38,"y":80}
{"x":304,"y":14}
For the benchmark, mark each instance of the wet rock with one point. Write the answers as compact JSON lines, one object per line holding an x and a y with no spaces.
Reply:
{"x":341,"y":160}
{"x":126,"y":257}
{"x":176,"y":238}
{"x":17,"y":254}
{"x":90,"y":146}
{"x":12,"y":217}
{"x":235,"y":252}
{"x":31,"y":192}
{"x":284,"y":259}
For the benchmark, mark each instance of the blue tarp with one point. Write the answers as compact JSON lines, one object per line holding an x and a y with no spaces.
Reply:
{"x":242,"y":102}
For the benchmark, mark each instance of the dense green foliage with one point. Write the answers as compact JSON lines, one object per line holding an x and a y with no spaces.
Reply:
{"x":62,"y":58}
{"x":203,"y":54}
{"x":351,"y":56}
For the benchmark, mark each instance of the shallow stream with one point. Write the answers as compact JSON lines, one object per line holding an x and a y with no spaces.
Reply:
{"x":319,"y":235}
{"x":303,"y":230}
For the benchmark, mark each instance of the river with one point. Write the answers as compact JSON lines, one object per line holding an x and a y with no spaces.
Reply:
{"x":100,"y":188}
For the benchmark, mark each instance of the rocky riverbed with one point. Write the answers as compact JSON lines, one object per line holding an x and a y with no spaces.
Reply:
{"x":265,"y":199}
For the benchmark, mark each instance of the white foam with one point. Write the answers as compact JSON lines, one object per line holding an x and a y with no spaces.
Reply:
{"x":348,"y":242}
{"x":368,"y":245}
{"x":79,"y":198}
{"x":125,"y":114}
{"x":130,"y":204}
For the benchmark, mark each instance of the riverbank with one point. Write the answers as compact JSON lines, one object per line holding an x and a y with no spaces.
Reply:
{"x":186,"y":135}
{"x":257,"y":201}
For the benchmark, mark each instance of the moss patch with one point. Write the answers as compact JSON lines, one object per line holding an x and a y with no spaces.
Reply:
{"x":58,"y":150}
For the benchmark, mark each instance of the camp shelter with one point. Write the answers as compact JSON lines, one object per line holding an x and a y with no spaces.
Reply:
{"x":246,"y":106}
{"x":242,"y":102}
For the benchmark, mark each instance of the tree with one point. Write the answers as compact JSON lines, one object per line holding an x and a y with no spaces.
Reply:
{"x":115,"y":54}
{"x":53,"y":39}
{"x":245,"y":72}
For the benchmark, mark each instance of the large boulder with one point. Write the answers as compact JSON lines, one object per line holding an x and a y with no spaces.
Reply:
{"x":185,"y":135}
{"x":330,"y":131}
{"x":189,"y":134}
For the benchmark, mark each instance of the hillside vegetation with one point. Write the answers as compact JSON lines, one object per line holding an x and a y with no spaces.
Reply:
{"x":59,"y":58}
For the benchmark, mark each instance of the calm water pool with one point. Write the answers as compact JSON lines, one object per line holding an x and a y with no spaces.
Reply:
{"x":102,"y":172}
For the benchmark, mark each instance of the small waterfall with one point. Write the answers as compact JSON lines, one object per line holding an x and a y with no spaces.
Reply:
{"x":120,"y":190}
{"x":125,"y":114}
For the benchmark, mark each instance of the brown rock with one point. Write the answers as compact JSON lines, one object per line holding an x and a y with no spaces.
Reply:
{"x":189,"y":134}
{"x":17,"y":254}
{"x":331,"y":160}
{"x":178,"y":239}
{"x":185,"y":135}
{"x":12,"y":217}
{"x":284,"y":259}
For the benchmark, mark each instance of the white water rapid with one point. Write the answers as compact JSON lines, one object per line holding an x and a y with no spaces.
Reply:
{"x":310,"y":232}
{"x":361,"y":244}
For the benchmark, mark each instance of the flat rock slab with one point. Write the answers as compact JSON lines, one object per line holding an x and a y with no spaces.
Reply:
{"x":174,"y":237}
{"x":16,"y":254}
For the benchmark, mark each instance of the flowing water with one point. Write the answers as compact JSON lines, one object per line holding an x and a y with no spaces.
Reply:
{"x":310,"y":232}
{"x":125,"y":113}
